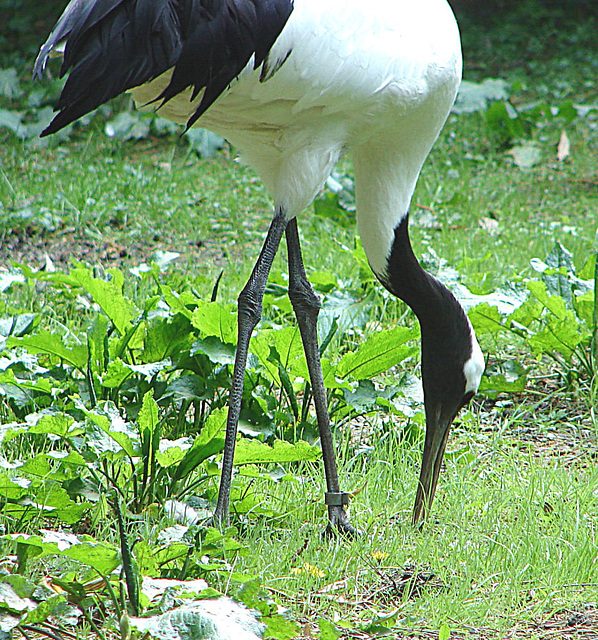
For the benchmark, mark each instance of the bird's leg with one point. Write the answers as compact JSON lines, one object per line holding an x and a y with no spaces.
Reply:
{"x":250,"y":311}
{"x":306,"y":305}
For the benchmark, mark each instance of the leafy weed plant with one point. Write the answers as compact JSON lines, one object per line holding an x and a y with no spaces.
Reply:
{"x":113,"y":383}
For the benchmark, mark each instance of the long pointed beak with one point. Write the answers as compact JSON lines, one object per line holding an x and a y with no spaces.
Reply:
{"x":434,"y":446}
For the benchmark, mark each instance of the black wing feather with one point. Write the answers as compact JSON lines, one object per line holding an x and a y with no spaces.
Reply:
{"x":114,"y":45}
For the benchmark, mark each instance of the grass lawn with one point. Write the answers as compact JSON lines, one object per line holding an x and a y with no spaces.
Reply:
{"x":511,"y":548}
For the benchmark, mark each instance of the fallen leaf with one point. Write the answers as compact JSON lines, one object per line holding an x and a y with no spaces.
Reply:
{"x":334,"y":586}
{"x":490,"y":225}
{"x":525,"y":156}
{"x":564,"y":147}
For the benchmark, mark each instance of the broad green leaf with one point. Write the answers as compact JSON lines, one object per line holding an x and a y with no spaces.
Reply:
{"x":148,"y":415}
{"x":331,"y":380}
{"x":22,"y":587}
{"x":180,"y":302}
{"x":51,"y":344}
{"x":254,"y":452}
{"x":44,"y":609}
{"x":444,"y":633}
{"x":559,"y":334}
{"x":555,"y":304}
{"x":209,"y":442}
{"x":584,"y":305}
{"x":588,"y":270}
{"x":205,"y":143}
{"x":41,"y":385}
{"x":9,"y":83}
{"x":128,"y":126}
{"x":17,"y":325}
{"x":377,"y":354}
{"x":217,"y":351}
{"x":51,"y":500}
{"x":167,"y":338}
{"x":213,"y":427}
{"x":474,"y":96}
{"x":67,"y":457}
{"x":504,"y":120}
{"x":492,"y":385}
{"x":562,"y":271}
{"x":13,"y":488}
{"x":329,"y":206}
{"x":567,"y":111}
{"x":150,"y":557}
{"x":155,"y":588}
{"x":36,"y":466}
{"x":117,"y":372}
{"x":328,"y":631}
{"x":214,"y":319}
{"x":57,"y":424}
{"x":201,"y":620}
{"x":323,"y":281}
{"x":362,"y":398}
{"x":281,"y":628}
{"x":249,"y":593}
{"x":486,"y":319}
{"x":350,"y":310}
{"x":12,"y":600}
{"x":103,"y":557}
{"x":529,"y":312}
{"x":190,"y":387}
{"x":112,"y":425}
{"x":108,"y":295}
{"x":274,"y":347}
{"x":172,"y":451}
{"x":506,"y":299}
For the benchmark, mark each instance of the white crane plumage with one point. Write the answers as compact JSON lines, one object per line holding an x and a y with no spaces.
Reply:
{"x":291,"y":84}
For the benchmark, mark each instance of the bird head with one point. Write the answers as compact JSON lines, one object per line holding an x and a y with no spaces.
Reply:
{"x":452,"y":366}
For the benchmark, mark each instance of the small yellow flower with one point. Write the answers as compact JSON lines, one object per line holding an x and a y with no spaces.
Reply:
{"x":310,"y":569}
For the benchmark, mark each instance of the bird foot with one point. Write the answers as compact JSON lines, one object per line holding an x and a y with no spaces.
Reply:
{"x":338,"y":522}
{"x":219,"y":520}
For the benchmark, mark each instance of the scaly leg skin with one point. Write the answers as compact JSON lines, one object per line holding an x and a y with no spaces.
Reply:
{"x":250,"y":311}
{"x":306,"y":305}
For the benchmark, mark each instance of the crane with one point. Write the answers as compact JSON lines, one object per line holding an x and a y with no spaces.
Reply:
{"x":292,"y":84}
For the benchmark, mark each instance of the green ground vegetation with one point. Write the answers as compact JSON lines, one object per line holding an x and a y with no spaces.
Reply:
{"x":121,"y":257}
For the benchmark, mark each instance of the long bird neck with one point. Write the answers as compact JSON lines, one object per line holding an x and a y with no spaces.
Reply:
{"x":434,"y":305}
{"x":385,"y":177}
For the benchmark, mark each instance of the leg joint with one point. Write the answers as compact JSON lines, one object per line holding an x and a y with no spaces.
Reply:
{"x":304,"y":298}
{"x":249,"y":306}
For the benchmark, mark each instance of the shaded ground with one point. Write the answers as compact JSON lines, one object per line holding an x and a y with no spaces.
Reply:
{"x":32,"y":247}
{"x":566,"y":625}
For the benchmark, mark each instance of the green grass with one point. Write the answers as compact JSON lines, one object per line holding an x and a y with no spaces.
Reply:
{"x":512,"y":540}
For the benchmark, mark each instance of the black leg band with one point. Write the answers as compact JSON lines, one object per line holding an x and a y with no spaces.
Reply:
{"x":337,"y":498}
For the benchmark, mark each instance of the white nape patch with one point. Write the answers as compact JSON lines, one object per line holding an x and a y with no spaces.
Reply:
{"x":474,"y":367}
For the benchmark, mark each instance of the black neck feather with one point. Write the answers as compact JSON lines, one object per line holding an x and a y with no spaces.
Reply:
{"x":446,"y":337}
{"x":435,"y":306}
